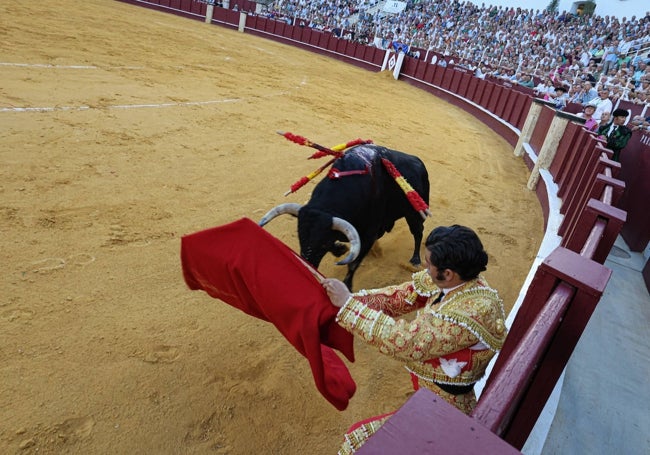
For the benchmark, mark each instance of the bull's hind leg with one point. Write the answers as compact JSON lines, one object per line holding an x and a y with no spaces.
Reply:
{"x":416,"y":226}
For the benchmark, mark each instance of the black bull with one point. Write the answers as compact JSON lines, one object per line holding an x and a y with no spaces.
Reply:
{"x":358,"y":202}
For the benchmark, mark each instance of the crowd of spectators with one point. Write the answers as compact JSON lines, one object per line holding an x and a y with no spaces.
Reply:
{"x":565,"y":57}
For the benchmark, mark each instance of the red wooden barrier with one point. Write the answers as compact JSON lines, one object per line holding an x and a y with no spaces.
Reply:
{"x":486,"y":94}
{"x":572,"y":136}
{"x":447,"y":77}
{"x":509,"y":107}
{"x":421,"y":70}
{"x":297,"y":33}
{"x":501,"y":103}
{"x":514,"y":420}
{"x":324,"y":40}
{"x":580,"y":187}
{"x":456,"y":74}
{"x":332,"y":42}
{"x":471,"y":88}
{"x":359,"y":51}
{"x":481,"y":86}
{"x":635,"y":171}
{"x":463,"y":84}
{"x":430,"y":74}
{"x":341,"y":46}
{"x":315,"y":36}
{"x":541,"y":128}
{"x":495,"y":96}
{"x":408,"y":66}
{"x":524,"y":104}
{"x":439,"y":75}
{"x":594,"y":209}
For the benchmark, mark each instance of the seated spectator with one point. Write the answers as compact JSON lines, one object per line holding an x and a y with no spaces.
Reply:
{"x":526,"y":81}
{"x":597,"y":53}
{"x":560,"y":97}
{"x":639,"y":123}
{"x":588,"y":114}
{"x":587,"y":93}
{"x":603,"y":103}
{"x":639,"y":73}
{"x":545,"y":88}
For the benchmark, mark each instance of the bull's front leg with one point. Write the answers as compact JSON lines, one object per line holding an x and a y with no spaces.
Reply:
{"x":352,"y":267}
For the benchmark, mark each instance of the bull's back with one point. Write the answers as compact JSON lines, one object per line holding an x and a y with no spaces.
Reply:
{"x":365,"y":193}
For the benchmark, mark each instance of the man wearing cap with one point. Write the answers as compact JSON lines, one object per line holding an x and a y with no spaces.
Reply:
{"x":616,"y":133}
{"x":588,"y":114}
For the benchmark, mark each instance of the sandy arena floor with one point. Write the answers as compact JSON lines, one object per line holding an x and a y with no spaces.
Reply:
{"x":122,"y":129}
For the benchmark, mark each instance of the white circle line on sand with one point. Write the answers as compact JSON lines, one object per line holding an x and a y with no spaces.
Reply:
{"x":133,"y":106}
{"x":74,"y":67}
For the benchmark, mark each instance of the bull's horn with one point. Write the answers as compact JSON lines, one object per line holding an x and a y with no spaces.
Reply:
{"x":351,"y":233}
{"x":291,"y":208}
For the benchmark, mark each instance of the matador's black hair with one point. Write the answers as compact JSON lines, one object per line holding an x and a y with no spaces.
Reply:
{"x":457,"y":248}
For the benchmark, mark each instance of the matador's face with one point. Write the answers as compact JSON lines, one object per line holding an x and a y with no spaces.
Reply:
{"x":436,"y":275}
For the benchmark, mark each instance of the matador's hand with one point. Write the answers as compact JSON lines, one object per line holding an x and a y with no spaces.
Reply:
{"x":337,"y":291}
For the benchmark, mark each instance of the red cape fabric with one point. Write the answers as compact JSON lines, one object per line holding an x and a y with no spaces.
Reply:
{"x":246,"y":267}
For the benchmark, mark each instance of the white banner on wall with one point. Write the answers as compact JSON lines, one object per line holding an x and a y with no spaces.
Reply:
{"x":394,"y":7}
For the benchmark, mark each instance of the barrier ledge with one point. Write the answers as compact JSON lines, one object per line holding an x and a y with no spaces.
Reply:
{"x":409,"y":430}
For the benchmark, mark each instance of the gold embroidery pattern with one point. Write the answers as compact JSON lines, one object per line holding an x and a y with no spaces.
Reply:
{"x":356,"y":438}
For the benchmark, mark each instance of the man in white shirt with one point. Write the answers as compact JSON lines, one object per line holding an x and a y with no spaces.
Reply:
{"x":602,"y":103}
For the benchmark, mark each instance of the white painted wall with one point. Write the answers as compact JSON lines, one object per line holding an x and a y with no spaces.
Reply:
{"x":616,"y":8}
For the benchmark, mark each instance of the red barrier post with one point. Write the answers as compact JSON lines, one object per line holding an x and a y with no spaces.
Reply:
{"x":439,"y":75}
{"x":497,"y":93}
{"x":486,"y":94}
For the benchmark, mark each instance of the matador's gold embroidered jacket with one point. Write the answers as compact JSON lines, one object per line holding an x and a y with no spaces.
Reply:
{"x":450,"y":342}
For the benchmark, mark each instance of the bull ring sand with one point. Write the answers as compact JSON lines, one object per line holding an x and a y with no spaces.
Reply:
{"x":123,"y":129}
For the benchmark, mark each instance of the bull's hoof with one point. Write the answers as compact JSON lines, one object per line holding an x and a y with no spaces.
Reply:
{"x":339,"y":249}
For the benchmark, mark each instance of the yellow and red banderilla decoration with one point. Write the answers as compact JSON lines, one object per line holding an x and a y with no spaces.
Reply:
{"x":336,"y":152}
{"x":413,"y":197}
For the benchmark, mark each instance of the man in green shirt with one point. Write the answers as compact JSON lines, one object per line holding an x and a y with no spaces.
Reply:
{"x":616,"y":133}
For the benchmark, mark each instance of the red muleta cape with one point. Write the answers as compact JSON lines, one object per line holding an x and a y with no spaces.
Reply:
{"x":246,"y":267}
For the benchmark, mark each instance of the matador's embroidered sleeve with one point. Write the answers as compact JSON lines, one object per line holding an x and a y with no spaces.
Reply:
{"x":400,"y":299}
{"x":429,"y":335}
